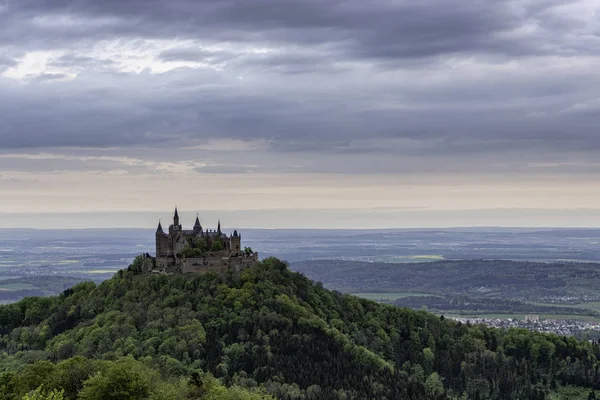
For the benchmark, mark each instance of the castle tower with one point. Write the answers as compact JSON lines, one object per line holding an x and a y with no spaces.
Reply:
{"x":176,"y":225}
{"x":197,"y":226}
{"x":219,"y":228}
{"x":236,"y":241}
{"x":161,"y":241}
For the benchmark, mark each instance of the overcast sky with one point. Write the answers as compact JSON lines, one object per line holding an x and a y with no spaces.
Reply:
{"x":300,"y":113}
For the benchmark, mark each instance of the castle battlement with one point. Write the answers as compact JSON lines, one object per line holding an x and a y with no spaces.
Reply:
{"x":198,"y":250}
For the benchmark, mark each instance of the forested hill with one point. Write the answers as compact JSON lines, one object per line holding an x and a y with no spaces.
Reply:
{"x":271,"y":331}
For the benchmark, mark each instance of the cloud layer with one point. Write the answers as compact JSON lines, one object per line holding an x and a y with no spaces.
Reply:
{"x":300,"y":86}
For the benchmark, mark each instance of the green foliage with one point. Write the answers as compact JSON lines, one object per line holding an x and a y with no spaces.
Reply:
{"x":137,"y":265}
{"x":434,"y":386}
{"x":211,"y":389}
{"x":192,"y":252}
{"x":197,"y":248}
{"x":200,"y":244}
{"x":139,"y":336}
{"x":70,"y":375}
{"x":125,"y":379}
{"x":40,"y":394}
{"x":248,"y":251}
{"x":217,"y":245}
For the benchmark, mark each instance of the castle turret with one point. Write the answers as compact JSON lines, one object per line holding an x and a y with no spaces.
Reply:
{"x":219,"y":228}
{"x":236,"y":241}
{"x":176,"y":218}
{"x":161,"y":241}
{"x":176,"y":226}
{"x":197,"y":226}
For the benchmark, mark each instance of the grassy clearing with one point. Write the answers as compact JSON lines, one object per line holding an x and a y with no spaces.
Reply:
{"x":592,"y":305}
{"x":12,"y":287}
{"x":389,"y":296}
{"x":96,"y":271}
{"x":67,"y":262}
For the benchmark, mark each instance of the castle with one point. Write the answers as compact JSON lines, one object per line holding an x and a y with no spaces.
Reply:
{"x":198,"y":250}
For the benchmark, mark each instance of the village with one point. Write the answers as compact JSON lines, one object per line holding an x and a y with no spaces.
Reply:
{"x":578,"y":328}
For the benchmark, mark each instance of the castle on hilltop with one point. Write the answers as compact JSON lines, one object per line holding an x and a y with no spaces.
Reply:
{"x":198,"y":250}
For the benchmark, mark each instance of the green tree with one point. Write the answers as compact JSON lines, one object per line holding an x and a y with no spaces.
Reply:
{"x":434,"y":386}
{"x":70,"y":374}
{"x":125,"y":379}
{"x":41,"y":394}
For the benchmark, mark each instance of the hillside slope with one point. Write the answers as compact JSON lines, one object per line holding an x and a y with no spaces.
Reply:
{"x":274,"y":328}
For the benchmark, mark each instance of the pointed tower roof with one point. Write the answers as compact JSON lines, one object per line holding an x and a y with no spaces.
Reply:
{"x":197,"y":226}
{"x":159,"y":229}
{"x":219,"y":226}
{"x":176,"y":215}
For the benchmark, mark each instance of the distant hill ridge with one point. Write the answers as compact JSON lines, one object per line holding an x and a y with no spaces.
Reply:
{"x":273,"y":328}
{"x":504,"y":278}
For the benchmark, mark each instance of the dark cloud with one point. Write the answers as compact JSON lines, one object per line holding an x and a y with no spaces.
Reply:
{"x":375,"y":29}
{"x":6,"y":61}
{"x":431,"y":78}
{"x":50,"y":77}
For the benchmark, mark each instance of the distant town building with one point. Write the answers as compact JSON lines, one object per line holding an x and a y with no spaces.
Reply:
{"x":197,"y":250}
{"x":532,"y":318}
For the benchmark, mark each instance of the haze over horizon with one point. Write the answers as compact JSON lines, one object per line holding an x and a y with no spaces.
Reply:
{"x":300,"y":114}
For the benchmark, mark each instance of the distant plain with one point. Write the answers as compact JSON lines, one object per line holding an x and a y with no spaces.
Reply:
{"x":44,"y":262}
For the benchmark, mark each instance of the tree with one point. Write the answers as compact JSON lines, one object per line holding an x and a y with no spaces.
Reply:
{"x":434,"y":386}
{"x":201,"y":244}
{"x":41,"y":394}
{"x":125,"y":379}
{"x":70,"y":375}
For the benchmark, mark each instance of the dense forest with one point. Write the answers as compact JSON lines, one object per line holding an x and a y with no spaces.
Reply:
{"x":268,"y":332}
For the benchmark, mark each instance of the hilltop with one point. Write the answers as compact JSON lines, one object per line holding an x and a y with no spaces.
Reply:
{"x":271,"y":330}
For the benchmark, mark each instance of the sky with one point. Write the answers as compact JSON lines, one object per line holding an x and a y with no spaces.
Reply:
{"x":300,"y":113}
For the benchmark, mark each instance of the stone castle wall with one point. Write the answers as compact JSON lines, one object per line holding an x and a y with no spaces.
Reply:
{"x":171,"y":247}
{"x":218,"y":263}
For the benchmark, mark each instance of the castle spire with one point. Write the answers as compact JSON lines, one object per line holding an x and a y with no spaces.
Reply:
{"x":219,"y":227}
{"x":176,"y":218}
{"x":197,"y":225}
{"x":159,"y":229}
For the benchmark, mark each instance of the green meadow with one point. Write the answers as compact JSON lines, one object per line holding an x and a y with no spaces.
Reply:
{"x":389,"y":296}
{"x":11,"y":287}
